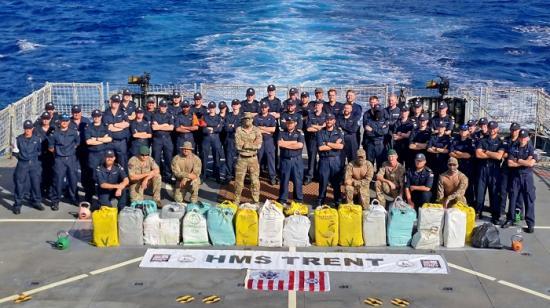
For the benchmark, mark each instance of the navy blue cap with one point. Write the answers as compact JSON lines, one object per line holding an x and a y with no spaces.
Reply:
{"x":420,"y":156}
{"x":271,"y":87}
{"x":76,"y":109}
{"x":482,"y":121}
{"x":442,"y":105}
{"x":49,"y":106}
{"x":330,"y":116}
{"x":514,"y":126}
{"x":185,"y":103}
{"x":45,"y":115}
{"x":96,"y":113}
{"x":150,"y":99}
{"x":417,"y":103}
{"x":423,"y":117}
{"x":523,"y":133}
{"x":163,"y":103}
{"x":27,"y":124}
{"x":115,"y":98}
{"x":126,"y":92}
{"x":176,"y":94}
{"x":289,"y":118}
{"x":493,"y":124}
{"x":140,"y":110}
{"x":222,"y":104}
{"x":109,"y":153}
{"x":197,"y":96}
{"x":463,"y":127}
{"x":441,"y":123}
{"x":235,"y":102}
{"x":471,"y":123}
{"x":250,"y":92}
{"x":293,"y":91}
{"x":65,"y":117}
{"x":318,"y":90}
{"x":291,"y":102}
{"x":304,"y":94}
{"x":264,"y":105}
{"x":319,"y":102}
{"x":211,"y":105}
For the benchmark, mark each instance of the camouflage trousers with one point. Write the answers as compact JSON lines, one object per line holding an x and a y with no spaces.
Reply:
{"x":191,"y":187}
{"x":383,"y":189}
{"x":136,"y":191}
{"x":362,"y":190}
{"x":250,"y":165}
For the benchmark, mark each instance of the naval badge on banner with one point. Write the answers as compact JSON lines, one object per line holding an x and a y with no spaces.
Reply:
{"x":305,"y":281}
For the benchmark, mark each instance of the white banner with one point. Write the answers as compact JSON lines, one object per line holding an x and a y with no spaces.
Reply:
{"x":295,"y":261}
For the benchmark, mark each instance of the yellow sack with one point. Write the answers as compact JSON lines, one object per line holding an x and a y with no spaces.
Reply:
{"x":350,"y":219}
{"x":296,"y":208}
{"x":246,"y":225}
{"x":105,"y":226}
{"x":326,"y":226}
{"x":432,"y":205}
{"x":470,"y":219}
{"x":228,"y":205}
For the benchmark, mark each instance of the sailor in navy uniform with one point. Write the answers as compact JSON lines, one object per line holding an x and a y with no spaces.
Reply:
{"x":232,"y":121}
{"x":175,"y":107}
{"x":330,"y":141}
{"x":183,"y":123}
{"x":521,"y":160}
{"x":27,"y":174}
{"x":374,"y":104}
{"x":291,"y":112}
{"x":211,"y":141}
{"x":150,"y":109}
{"x":319,"y":95}
{"x":349,"y":125}
{"x":376,"y":129}
{"x":483,"y":130}
{"x":292,"y":97}
{"x":505,"y":181}
{"x":418,"y":183}
{"x":127,"y":105}
{"x":401,"y":133}
{"x":118,"y":124}
{"x":199,"y":111}
{"x":250,"y":104}
{"x":44,"y":130}
{"x":98,"y":139}
{"x":315,"y":122}
{"x":112,"y":181}
{"x":417,"y":110}
{"x":54,"y":115}
{"x":489,"y":152}
{"x":442,"y":116}
{"x":80,"y":123}
{"x":332,"y":106}
{"x":162,"y":126}
{"x":275,"y":105}
{"x":393,"y":113}
{"x":463,"y":149}
{"x":141,"y":132}
{"x":419,"y":139}
{"x":304,"y":108}
{"x":63,"y":143}
{"x":438,"y":150}
{"x":267,"y":124}
{"x":291,"y":142}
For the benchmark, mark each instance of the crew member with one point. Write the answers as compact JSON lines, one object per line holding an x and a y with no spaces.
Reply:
{"x":319,"y":95}
{"x":199,"y":111}
{"x":44,"y":130}
{"x":394,"y":113}
{"x":267,"y":124}
{"x":231,"y":123}
{"x":112,"y":182}
{"x":117,"y":123}
{"x":463,"y":149}
{"x":80,"y":123}
{"x":184,"y":125}
{"x":127,"y":105}
{"x":442,"y":116}
{"x":211,"y":141}
{"x":357,"y":178}
{"x":418,"y":183}
{"x":376,"y":128}
{"x":273,"y":101}
{"x":143,"y":172}
{"x":349,"y":125}
{"x":332,"y":106}
{"x":389,"y":179}
{"x":250,"y":104}
{"x":508,"y":142}
{"x":292,"y":97}
{"x":290,"y":112}
{"x":330,"y":141}
{"x":141,"y":132}
{"x":175,"y":107}
{"x":315,"y":122}
{"x":451,"y":185}
{"x":401,"y":133}
{"x":248,"y":140}
{"x":291,"y":142}
{"x":187,"y":167}
{"x":98,"y":139}
{"x":418,"y":140}
{"x":438,"y":150}
{"x":162,"y":125}
{"x":150,"y":109}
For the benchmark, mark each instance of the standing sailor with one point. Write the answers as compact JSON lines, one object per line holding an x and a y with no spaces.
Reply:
{"x":267,"y":124}
{"x":163,"y":148}
{"x":141,"y":132}
{"x":117,"y":123}
{"x":330,"y":142}
{"x":98,"y":139}
{"x":231,"y":123}
{"x":44,"y":130}
{"x":315,"y":122}
{"x":291,"y":142}
{"x":211,"y":141}
{"x":248,"y":140}
{"x":250,"y":104}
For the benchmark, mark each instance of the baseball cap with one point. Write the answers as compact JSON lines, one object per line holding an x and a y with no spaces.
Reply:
{"x":264,"y":105}
{"x":109,"y":153}
{"x":248,"y":115}
{"x":139,"y":110}
{"x":49,"y":106}
{"x":493,"y":124}
{"x":185,"y":103}
{"x":235,"y":102}
{"x":211,"y":105}
{"x":482,"y":121}
{"x":453,"y":161}
{"x":319,"y":102}
{"x":291,"y":102}
{"x":176,"y":94}
{"x":405,"y":110}
{"x":441,"y":123}
{"x":514,"y":126}
{"x":271,"y":87}
{"x":150,"y":99}
{"x":76,"y":109}
{"x":197,"y":96}
{"x":126,"y":92}
{"x":318,"y":90}
{"x":471,"y":123}
{"x":417,"y":103}
{"x":423,"y":117}
{"x":222,"y":104}
{"x":292,"y":91}
{"x":65,"y":117}
{"x":96,"y":113}
{"x":330,"y":116}
{"x":392,"y":152}
{"x":45,"y":115}
{"x":523,"y":133}
{"x":144,"y":150}
{"x":27,"y":124}
{"x":115,"y":98}
{"x":420,"y":156}
{"x":288,"y":118}
{"x":464,"y":127}
{"x":250,"y":92}
{"x":442,"y":105}
{"x":304,"y":94}
{"x":187,"y":145}
{"x":163,"y":103}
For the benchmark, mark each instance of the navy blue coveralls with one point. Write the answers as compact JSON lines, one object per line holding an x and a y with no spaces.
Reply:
{"x":335,"y":110}
{"x":46,"y":159}
{"x":349,"y":127}
{"x":312,"y":147}
{"x":267,"y":150}
{"x":163,"y":148}
{"x":466,"y":165}
{"x":211,"y":144}
{"x":96,"y":154}
{"x":142,"y":126}
{"x":356,"y":113}
{"x":393,"y":116}
{"x":114,"y":175}
{"x":438,"y":161}
{"x":175,"y":110}
{"x":448,"y":120}
{"x":253,"y":106}
{"x":64,"y":144}
{"x":275,"y":105}
{"x":373,"y":141}
{"x":27,"y":174}
{"x":424,"y":177}
{"x":296,"y":116}
{"x":505,"y":180}
{"x":522,"y":186}
{"x":148,"y":115}
{"x":292,"y":167}
{"x":183,"y":120}
{"x":330,"y":165}
{"x":129,"y":109}
{"x":231,"y":123}
{"x":402,"y":146}
{"x":86,"y":174}
{"x":417,"y":136}
{"x":297,"y":102}
{"x":120,"y":139}
{"x":489,"y":177}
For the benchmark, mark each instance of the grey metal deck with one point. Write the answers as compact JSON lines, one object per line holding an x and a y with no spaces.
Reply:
{"x":27,"y":262}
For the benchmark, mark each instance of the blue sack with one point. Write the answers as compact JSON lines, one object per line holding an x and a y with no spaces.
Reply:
{"x":201,"y":207}
{"x":220,"y":226}
{"x":147,"y":206}
{"x":400,"y":225}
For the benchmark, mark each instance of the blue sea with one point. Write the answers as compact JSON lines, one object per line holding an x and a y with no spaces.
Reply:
{"x":281,"y":42}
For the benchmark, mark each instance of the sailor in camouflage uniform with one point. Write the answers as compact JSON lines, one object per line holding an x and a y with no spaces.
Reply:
{"x":248,"y":140}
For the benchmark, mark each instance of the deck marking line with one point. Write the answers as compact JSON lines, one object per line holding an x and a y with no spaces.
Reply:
{"x":469,"y":271}
{"x":115,"y":266}
{"x":292,"y":293}
{"x":45,"y":220}
{"x":526,"y":290}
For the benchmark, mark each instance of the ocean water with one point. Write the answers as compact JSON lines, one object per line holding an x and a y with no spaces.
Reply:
{"x":281,"y":42}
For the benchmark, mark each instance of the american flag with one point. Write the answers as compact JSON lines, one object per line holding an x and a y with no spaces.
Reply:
{"x":305,"y":281}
